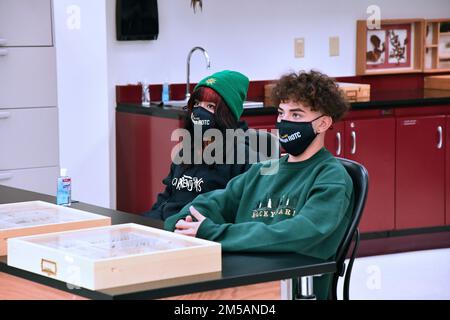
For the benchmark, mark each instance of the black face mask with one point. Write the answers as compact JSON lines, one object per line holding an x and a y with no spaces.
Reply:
{"x":295,"y":137}
{"x":203,"y":118}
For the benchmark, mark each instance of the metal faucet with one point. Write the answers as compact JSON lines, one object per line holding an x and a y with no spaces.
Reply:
{"x":208,"y":65}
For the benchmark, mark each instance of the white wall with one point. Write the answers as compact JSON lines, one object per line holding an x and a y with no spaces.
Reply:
{"x":255,"y":37}
{"x":83,"y":98}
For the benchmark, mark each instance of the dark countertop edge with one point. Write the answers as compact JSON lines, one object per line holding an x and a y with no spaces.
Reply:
{"x":153,"y":110}
{"x":179,"y":114}
{"x":323,"y":268}
{"x":388,"y":104}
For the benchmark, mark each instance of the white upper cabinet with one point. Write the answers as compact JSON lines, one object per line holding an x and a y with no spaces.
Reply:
{"x":28,"y":138}
{"x":25,"y":23}
{"x":27,"y":77}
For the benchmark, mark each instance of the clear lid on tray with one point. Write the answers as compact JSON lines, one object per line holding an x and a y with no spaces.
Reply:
{"x":109,"y":243}
{"x":37,"y":213}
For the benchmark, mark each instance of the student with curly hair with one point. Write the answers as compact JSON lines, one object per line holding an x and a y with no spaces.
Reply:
{"x":305,"y":206}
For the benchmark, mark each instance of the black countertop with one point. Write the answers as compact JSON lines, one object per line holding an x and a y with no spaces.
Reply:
{"x":237,"y":269}
{"x":380,"y":99}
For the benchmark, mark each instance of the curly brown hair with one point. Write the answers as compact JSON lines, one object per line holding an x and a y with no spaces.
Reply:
{"x":313,"y":89}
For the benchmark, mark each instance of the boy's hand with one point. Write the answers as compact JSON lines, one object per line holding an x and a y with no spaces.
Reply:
{"x":189,"y":227}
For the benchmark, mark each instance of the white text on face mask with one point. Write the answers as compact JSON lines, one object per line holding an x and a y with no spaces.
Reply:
{"x":292,"y":137}
{"x":199,"y":122}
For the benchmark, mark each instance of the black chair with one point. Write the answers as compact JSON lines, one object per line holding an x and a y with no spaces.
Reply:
{"x":360,"y":178}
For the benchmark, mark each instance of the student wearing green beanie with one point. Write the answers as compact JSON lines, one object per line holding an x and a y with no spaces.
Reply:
{"x":232,"y":86}
{"x":216,"y":103}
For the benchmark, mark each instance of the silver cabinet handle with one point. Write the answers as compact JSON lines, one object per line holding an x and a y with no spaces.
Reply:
{"x":353,"y":151}
{"x":5,"y":115}
{"x":3,"y":52}
{"x":5,"y":176}
{"x":339,"y":146}
{"x":439,"y":146}
{"x":2,"y":42}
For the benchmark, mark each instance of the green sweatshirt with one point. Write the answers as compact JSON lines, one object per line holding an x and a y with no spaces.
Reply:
{"x":303,"y":207}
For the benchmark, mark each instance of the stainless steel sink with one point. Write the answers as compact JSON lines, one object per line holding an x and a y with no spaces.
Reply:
{"x":176,"y":103}
{"x":253,"y":104}
{"x":182,"y":103}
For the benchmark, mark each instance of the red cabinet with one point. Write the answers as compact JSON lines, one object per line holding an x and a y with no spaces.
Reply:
{"x":371,"y":142}
{"x":447,"y":170}
{"x":261,"y":122}
{"x":409,"y":169}
{"x":420,"y":174}
{"x":334,"y":139}
{"x":143,"y":151}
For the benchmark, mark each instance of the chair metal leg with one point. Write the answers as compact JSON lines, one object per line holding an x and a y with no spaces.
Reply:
{"x":333,"y":290}
{"x":286,"y":289}
{"x":305,"y":289}
{"x":348,"y":273}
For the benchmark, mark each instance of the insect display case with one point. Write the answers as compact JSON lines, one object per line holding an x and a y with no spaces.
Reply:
{"x":114,"y":256}
{"x":37,"y":217}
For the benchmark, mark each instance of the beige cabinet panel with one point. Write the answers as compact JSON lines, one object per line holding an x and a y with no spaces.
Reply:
{"x":28,"y":138}
{"x":27,"y":77}
{"x":26,"y":23}
{"x":42,"y":180}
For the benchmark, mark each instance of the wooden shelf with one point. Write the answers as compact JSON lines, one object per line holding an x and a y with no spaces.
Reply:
{"x":426,"y":48}
{"x":416,"y":30}
{"x":436,"y":70}
{"x":435,"y":24}
{"x":393,"y":72}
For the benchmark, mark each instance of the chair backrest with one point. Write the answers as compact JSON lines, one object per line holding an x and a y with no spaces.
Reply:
{"x":360,"y":178}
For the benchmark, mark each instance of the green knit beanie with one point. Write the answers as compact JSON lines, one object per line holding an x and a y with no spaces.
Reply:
{"x":232,"y":86}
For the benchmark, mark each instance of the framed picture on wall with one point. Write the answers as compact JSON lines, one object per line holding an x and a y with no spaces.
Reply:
{"x":395,"y":47}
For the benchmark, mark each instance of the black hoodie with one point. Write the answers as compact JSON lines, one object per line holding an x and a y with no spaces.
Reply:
{"x":185,"y":183}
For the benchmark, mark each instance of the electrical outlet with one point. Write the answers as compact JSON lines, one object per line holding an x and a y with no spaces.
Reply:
{"x":299,"y":47}
{"x":334,"y":46}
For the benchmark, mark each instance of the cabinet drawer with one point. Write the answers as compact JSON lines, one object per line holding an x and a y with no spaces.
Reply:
{"x":28,"y":138}
{"x":26,"y":22}
{"x":27,"y":77}
{"x":42,"y":180}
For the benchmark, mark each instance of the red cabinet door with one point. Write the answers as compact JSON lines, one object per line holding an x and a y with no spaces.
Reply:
{"x":334,"y":139}
{"x":261,"y":122}
{"x":371,"y":142}
{"x":143,"y":151}
{"x":420,"y":176}
{"x":447,"y":170}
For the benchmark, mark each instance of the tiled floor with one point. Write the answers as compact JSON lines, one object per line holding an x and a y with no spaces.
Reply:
{"x":412,"y":275}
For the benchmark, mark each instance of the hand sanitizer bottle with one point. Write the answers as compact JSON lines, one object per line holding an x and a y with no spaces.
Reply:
{"x":145,"y":94}
{"x":165,"y":92}
{"x":64,"y":188}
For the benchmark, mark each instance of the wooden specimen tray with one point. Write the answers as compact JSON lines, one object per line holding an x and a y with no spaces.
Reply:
{"x":355,"y":92}
{"x":437,"y":82}
{"x":114,"y":256}
{"x":37,"y":217}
